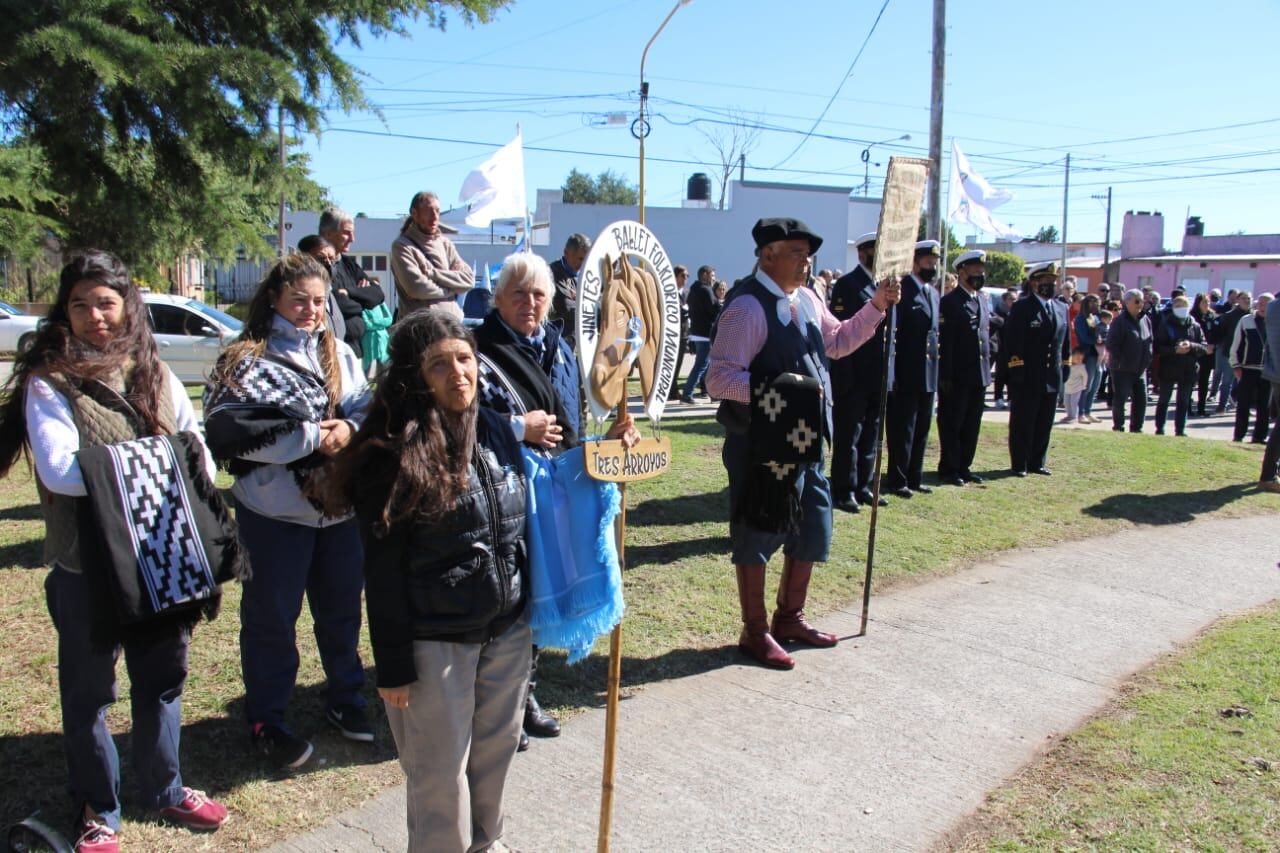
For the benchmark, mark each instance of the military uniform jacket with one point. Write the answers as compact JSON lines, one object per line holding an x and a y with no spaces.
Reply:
{"x":863,"y":366}
{"x":1035,"y":342}
{"x":916,"y":338}
{"x":964,"y":340}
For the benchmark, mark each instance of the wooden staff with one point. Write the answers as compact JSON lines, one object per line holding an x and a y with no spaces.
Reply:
{"x":875,"y":486}
{"x":614,"y":683}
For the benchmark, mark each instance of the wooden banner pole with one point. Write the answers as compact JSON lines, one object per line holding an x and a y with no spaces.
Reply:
{"x":613,"y":688}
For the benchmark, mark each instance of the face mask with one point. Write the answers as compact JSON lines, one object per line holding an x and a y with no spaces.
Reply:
{"x":927,"y":274}
{"x":1182,"y":313}
{"x":1046,"y":289}
{"x":976,"y":281}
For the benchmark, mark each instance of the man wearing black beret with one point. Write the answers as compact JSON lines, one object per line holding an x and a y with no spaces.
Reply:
{"x":768,"y":366}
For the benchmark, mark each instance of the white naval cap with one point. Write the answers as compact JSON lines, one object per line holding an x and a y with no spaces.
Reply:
{"x":971,"y":255}
{"x":928,"y":247}
{"x":869,"y":237}
{"x":1042,"y":268}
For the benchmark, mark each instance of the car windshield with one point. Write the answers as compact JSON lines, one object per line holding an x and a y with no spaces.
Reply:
{"x":8,"y":309}
{"x":221,"y":316}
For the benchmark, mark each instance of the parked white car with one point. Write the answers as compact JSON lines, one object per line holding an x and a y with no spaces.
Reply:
{"x":17,"y":330}
{"x":189,"y":334}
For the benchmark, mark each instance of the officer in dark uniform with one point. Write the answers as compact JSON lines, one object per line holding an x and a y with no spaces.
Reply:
{"x":964,"y":369}
{"x":915,"y":373}
{"x":1036,"y":345}
{"x":855,"y":388}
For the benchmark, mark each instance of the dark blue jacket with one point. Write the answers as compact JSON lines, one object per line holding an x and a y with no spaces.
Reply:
{"x":1036,"y":343}
{"x":964,"y":340}
{"x":915,"y":368}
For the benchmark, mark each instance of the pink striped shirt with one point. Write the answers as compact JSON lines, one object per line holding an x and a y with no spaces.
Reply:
{"x":742,"y":332}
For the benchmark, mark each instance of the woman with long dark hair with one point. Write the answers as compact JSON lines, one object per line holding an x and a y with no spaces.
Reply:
{"x":1204,"y":315}
{"x":93,"y":377}
{"x":437,"y":485}
{"x":282,"y":401}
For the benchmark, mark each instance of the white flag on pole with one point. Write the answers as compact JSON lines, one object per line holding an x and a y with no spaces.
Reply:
{"x":973,"y":199}
{"x":495,"y":188}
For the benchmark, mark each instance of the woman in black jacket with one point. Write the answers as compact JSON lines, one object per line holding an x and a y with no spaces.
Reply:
{"x":437,"y":486}
{"x":1180,"y":343}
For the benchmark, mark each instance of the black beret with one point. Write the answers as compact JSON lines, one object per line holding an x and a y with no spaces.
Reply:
{"x":768,"y":231}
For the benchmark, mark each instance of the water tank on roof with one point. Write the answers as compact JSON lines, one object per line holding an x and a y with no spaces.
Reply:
{"x":699,"y":187}
{"x":1195,"y":227}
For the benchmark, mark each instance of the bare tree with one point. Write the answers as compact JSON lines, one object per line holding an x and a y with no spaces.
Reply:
{"x":732,"y":140}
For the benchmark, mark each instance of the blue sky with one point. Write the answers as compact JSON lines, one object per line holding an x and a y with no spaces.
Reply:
{"x":1128,"y":88}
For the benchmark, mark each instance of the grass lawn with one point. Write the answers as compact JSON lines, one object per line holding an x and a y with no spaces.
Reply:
{"x":682,"y":613}
{"x":1188,"y":758}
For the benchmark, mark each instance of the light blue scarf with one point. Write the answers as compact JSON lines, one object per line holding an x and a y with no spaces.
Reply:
{"x":575,"y":580}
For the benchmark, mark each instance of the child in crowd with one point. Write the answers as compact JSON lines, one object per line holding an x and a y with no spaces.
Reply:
{"x":1077,"y":381}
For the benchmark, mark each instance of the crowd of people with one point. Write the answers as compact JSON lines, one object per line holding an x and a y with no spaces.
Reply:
{"x":409,"y":491}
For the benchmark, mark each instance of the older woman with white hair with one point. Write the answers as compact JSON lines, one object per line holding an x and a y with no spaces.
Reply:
{"x":529,"y":373}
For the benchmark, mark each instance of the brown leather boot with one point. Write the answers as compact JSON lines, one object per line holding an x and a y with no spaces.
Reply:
{"x":755,"y":640}
{"x":788,"y":620}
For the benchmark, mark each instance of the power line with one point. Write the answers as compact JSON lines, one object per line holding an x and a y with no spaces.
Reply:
{"x":834,"y":94}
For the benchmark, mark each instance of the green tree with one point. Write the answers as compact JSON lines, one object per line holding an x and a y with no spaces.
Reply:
{"x":150,"y":128}
{"x":605,"y":188}
{"x":953,"y":245}
{"x":1047,"y":234}
{"x":1004,"y":269}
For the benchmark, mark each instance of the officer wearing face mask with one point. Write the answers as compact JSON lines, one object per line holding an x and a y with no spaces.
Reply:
{"x":964,"y":370}
{"x":910,"y":409}
{"x":1036,"y":343}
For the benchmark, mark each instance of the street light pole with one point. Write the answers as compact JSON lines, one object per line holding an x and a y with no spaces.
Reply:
{"x":640,"y":128}
{"x":866,"y":161}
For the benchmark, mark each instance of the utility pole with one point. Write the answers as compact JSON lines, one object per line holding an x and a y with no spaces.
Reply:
{"x":280,"y":249}
{"x":933,"y":228}
{"x":1066,"y":186}
{"x":1106,"y":246}
{"x":742,"y":168}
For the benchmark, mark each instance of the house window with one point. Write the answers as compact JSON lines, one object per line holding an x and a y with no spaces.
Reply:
{"x":1144,"y":281}
{"x":366,"y":263}
{"x":380,"y":263}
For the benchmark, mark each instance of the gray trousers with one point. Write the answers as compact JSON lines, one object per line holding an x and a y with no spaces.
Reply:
{"x":458,"y":737}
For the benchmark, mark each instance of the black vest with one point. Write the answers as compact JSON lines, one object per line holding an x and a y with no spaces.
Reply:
{"x":787,"y":349}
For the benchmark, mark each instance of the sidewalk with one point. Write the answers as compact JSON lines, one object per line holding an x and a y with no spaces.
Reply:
{"x":886,"y":741}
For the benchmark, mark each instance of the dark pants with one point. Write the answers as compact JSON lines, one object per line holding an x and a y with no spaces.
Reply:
{"x":1271,"y":457}
{"x":856,"y":428}
{"x":1126,"y":386}
{"x":959,"y":420}
{"x":907,"y":423}
{"x":289,"y":560}
{"x":1253,"y":394}
{"x":810,"y":543}
{"x":1204,"y":373}
{"x":1030,"y":424}
{"x":1183,"y":386}
{"x":87,"y":686}
{"x":674,"y":393}
{"x":701,"y":350}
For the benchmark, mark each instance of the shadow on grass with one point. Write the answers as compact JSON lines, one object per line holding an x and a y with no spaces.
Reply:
{"x":693,"y":427}
{"x":215,"y":754}
{"x":1168,"y":508}
{"x":24,"y":555}
{"x":681,"y":510}
{"x":22,"y":512}
{"x":583,"y":685}
{"x":669,"y":552}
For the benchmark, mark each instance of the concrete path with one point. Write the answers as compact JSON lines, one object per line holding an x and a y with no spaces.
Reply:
{"x":884,"y":742}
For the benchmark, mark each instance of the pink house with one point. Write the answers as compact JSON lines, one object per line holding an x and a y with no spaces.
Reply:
{"x":1217,"y":262}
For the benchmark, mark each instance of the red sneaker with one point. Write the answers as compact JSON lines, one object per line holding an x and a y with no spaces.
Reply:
{"x":196,"y":812}
{"x":96,"y":837}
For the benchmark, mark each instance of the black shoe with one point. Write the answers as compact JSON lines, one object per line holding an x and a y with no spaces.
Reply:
{"x":1017,"y":473}
{"x":524,"y":742}
{"x":1043,"y":472}
{"x":848,"y":505}
{"x":1117,"y":429}
{"x":351,"y":721}
{"x":538,"y":722}
{"x":970,"y":477}
{"x":866,"y":499}
{"x":283,"y":749}
{"x":902,"y":492}
{"x":922,"y":489}
{"x":951,"y":479}
{"x":1160,"y":431}
{"x":687,"y":400}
